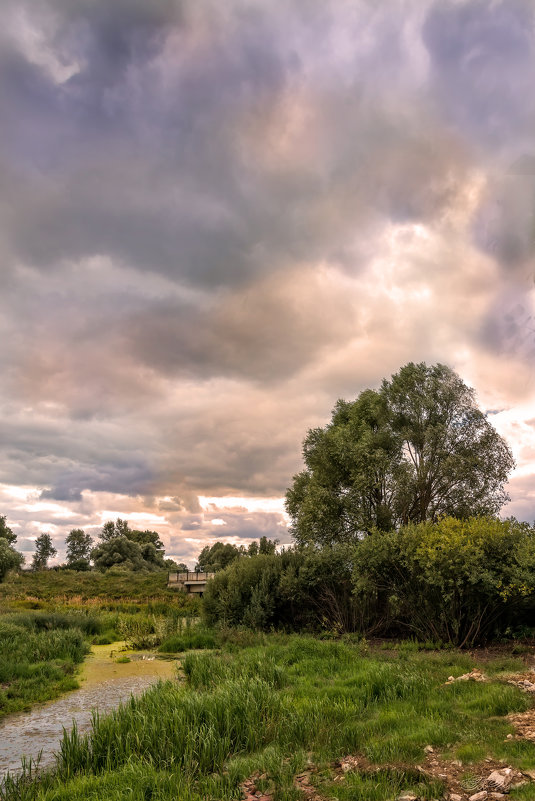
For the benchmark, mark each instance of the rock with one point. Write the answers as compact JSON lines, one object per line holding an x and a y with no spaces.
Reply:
{"x":481,"y":796}
{"x":407,"y":797}
{"x":529,"y":773}
{"x":455,"y":797}
{"x":496,"y":796}
{"x":451,"y":678}
{"x":428,"y":749}
{"x":500,"y":780}
{"x":509,"y":736}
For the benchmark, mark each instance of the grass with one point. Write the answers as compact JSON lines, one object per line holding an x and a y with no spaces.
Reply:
{"x":114,"y":591}
{"x":268,"y":707}
{"x":36,"y":663}
{"x":196,"y":638}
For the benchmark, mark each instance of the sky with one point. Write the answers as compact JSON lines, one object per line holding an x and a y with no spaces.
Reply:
{"x":216,"y":219}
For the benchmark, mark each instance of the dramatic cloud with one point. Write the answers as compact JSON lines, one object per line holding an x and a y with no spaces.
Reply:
{"x":216,"y":219}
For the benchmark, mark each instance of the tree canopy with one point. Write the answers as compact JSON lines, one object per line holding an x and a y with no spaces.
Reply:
{"x":44,"y":550}
{"x":79,"y":546}
{"x":220,"y":555}
{"x":5,"y":532}
{"x":416,"y":449}
{"x":128,"y":548}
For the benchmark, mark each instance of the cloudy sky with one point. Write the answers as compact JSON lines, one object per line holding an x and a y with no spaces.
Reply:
{"x":216,"y":218}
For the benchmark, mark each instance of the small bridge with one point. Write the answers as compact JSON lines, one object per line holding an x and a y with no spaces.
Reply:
{"x":192,"y":583}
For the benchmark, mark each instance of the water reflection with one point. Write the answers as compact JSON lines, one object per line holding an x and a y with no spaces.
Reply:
{"x":104,"y":684}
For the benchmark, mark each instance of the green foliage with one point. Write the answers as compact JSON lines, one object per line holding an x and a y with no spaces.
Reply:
{"x":293,"y":589}
{"x":112,"y":529}
{"x":10,"y":559}
{"x":457,"y":463}
{"x":36,"y":662}
{"x":178,"y":567}
{"x":128,"y":549}
{"x":458,"y":581}
{"x":220,"y":555}
{"x":44,"y":550}
{"x":123,"y":553}
{"x":5,"y":532}
{"x":217,"y":557}
{"x":417,"y":449}
{"x":78,"y":549}
{"x":197,"y":638}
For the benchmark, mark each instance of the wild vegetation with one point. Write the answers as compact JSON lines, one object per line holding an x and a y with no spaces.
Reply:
{"x":38,"y":657}
{"x":282,"y":704}
{"x":396,"y":536}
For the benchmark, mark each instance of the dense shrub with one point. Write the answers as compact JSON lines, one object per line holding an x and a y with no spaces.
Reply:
{"x":459,"y":581}
{"x":294,"y":589}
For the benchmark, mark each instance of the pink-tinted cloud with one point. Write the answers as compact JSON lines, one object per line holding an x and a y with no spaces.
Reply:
{"x":216,"y":219}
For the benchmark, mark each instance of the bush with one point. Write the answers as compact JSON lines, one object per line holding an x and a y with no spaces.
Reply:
{"x":295,"y":589}
{"x":455,"y":581}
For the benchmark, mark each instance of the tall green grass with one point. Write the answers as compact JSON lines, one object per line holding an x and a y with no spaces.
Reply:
{"x":36,"y":664}
{"x":267,"y":708}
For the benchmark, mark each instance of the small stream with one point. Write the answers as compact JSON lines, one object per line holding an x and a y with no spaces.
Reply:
{"x":104,"y":683}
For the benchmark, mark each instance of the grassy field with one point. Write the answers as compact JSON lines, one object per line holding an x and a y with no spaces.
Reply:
{"x":114,"y":590}
{"x":273,"y":706}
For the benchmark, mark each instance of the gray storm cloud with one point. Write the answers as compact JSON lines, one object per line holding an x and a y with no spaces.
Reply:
{"x":216,"y":218}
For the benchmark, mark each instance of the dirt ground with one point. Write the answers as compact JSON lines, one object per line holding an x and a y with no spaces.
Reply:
{"x":462,"y":782}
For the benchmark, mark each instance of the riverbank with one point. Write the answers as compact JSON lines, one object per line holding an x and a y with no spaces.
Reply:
{"x":37,"y":663}
{"x":295,"y":717}
{"x":109,"y":675}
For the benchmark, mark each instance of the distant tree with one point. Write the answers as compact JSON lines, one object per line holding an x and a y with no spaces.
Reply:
{"x":152,"y":548}
{"x":217,"y":557}
{"x":457,"y":462}
{"x":5,"y":532}
{"x":10,"y":559}
{"x":79,"y":546}
{"x":112,"y":529}
{"x":178,"y":567}
{"x":266,"y":546}
{"x":220,"y":555}
{"x":120,"y":552}
{"x":44,"y":550}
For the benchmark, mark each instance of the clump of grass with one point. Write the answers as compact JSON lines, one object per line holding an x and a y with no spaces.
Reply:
{"x":36,"y":664}
{"x":123,"y":660}
{"x":381,"y":785}
{"x":195,"y":639}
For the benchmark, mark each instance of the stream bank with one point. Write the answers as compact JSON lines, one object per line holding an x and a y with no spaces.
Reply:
{"x":104,"y":684}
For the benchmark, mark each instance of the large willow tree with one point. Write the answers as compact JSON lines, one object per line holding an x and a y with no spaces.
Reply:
{"x":416,"y":449}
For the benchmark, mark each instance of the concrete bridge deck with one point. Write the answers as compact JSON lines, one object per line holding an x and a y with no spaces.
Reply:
{"x":193,"y":583}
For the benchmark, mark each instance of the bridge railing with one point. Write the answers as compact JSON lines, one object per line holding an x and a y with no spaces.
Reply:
{"x":182,"y":578}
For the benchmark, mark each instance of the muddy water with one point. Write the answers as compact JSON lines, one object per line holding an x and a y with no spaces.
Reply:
{"x":104,"y":683}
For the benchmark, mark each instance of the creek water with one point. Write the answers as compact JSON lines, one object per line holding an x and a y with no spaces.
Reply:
{"x":104,"y":683}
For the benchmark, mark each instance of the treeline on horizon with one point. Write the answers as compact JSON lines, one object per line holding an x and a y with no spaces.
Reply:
{"x":120,"y":547}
